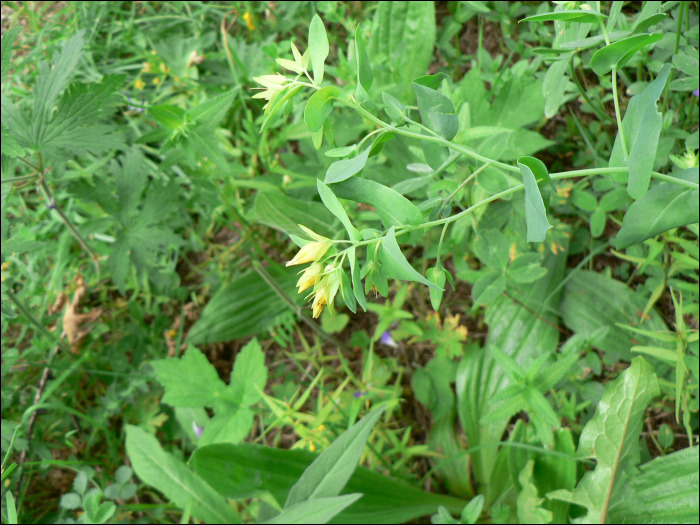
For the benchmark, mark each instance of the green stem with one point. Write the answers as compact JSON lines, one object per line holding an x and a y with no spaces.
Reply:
{"x":19,"y":179}
{"x":442,"y":237}
{"x":451,"y":195}
{"x":617,"y":114}
{"x":29,"y":315}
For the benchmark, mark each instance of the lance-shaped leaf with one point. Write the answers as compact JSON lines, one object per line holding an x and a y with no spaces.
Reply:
{"x":619,"y":53}
{"x":330,"y":471}
{"x":611,"y":437}
{"x":573,"y":15}
{"x":642,"y":127}
{"x":333,"y":204}
{"x":319,"y":106}
{"x":663,"y":207}
{"x":356,"y":280}
{"x":393,"y":208}
{"x":533,"y":170}
{"x":7,"y":40}
{"x":395,"y":264}
{"x":344,"y":169}
{"x":394,"y":108}
{"x":318,"y":47}
{"x":364,"y":70}
{"x":319,"y":510}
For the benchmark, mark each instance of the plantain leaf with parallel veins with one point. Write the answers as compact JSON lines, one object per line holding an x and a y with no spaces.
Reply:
{"x":611,"y":437}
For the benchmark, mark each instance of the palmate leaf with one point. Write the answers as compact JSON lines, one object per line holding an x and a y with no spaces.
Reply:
{"x":611,"y":437}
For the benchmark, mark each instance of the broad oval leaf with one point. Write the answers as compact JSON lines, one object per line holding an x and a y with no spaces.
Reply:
{"x":395,"y":264}
{"x":342,"y":170}
{"x":573,"y":15}
{"x":489,"y":287}
{"x":663,"y":207}
{"x":619,"y":53}
{"x":332,"y":203}
{"x":393,"y":208}
{"x":436,"y":110}
{"x":393,"y":107}
{"x":319,"y":106}
{"x":330,"y":471}
{"x":642,"y":128}
{"x":686,"y":64}
{"x":318,"y":47}
{"x":533,"y":170}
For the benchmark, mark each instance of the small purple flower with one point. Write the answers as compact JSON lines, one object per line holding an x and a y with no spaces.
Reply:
{"x":197,"y":429}
{"x":697,"y":92}
{"x":360,"y":393}
{"x":387,"y":340}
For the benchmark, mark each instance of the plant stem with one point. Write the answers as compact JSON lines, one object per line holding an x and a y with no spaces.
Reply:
{"x":19,"y":179}
{"x":451,"y":195}
{"x":29,"y":315}
{"x":617,"y":114}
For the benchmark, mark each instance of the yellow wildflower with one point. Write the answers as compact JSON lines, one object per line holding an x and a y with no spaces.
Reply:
{"x":310,"y":277}
{"x":156,"y":81}
{"x":139,"y":84}
{"x":248,"y":18}
{"x":146,"y":67}
{"x":163,"y":67}
{"x":309,"y":252}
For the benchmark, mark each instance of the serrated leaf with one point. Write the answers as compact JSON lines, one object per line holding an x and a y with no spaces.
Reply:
{"x":249,"y":372}
{"x":191,"y":381}
{"x":211,"y":112}
{"x":662,"y":208}
{"x":642,"y":128}
{"x":9,"y":145}
{"x":318,"y":47}
{"x":331,"y":470}
{"x":395,"y":264}
{"x":172,"y":117}
{"x":611,"y":437}
{"x":8,"y":38}
{"x":174,"y":479}
{"x":227,"y":427}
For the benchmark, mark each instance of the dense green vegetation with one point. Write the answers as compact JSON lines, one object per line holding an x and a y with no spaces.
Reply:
{"x":353,"y":262}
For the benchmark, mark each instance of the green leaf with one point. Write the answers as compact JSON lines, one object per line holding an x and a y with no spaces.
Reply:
{"x":333,"y":204}
{"x":492,"y":249}
{"x":356,"y":281}
{"x":246,"y":306}
{"x":396,"y":265}
{"x":279,"y":104}
{"x":664,"y":491}
{"x":611,"y":437}
{"x":178,"y":483}
{"x":342,"y":170}
{"x":597,"y":223}
{"x":394,"y":108}
{"x":619,"y":53}
{"x":393,"y":208}
{"x":331,"y":470}
{"x":403,"y":33}
{"x":347,"y":291}
{"x":553,"y":87}
{"x":436,"y":110}
{"x":528,"y":503}
{"x":662,"y":208}
{"x":526,"y":268}
{"x":472,"y":511}
{"x":364,"y":69}
{"x":318,"y":510}
{"x":8,"y":38}
{"x":685,"y":84}
{"x":9,"y":145}
{"x":318,"y":47}
{"x":438,"y":277}
{"x":340,"y":152}
{"x":319,"y":106}
{"x":285,"y":213}
{"x":533,"y":170}
{"x":243,"y":470}
{"x":573,"y":15}
{"x":249,"y":372}
{"x":686,"y":64}
{"x":172,"y":117}
{"x":228,"y":427}
{"x":52,"y":81}
{"x":642,"y":128}
{"x":10,"y":500}
{"x":211,"y":112}
{"x":489,"y":287}
{"x":592,"y":305}
{"x":191,"y":381}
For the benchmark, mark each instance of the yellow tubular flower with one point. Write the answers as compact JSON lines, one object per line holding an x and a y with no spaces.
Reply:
{"x":319,"y":302}
{"x":310,"y":277}
{"x":307,"y":253}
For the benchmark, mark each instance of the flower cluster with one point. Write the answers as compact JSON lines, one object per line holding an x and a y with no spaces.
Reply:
{"x":325,"y":280}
